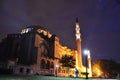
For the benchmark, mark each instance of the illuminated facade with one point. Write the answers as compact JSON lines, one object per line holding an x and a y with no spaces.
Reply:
{"x":35,"y":51}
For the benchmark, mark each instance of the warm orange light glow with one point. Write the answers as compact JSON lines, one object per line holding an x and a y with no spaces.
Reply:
{"x":98,"y":72}
{"x":76,"y":61}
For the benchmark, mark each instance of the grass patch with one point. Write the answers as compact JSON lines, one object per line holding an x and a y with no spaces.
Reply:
{"x":43,"y":78}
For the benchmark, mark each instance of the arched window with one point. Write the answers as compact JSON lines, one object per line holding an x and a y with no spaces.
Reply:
{"x":48,"y":65}
{"x":59,"y":69}
{"x":52,"y":65}
{"x":44,"y":50}
{"x":28,"y":71}
{"x":43,"y":65}
{"x":21,"y":70}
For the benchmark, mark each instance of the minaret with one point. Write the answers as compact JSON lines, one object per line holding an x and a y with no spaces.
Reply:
{"x":89,"y":64}
{"x":78,"y":41}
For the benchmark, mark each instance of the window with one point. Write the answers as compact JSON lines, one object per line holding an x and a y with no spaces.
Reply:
{"x":21,"y":70}
{"x":28,"y":70}
{"x":48,"y":65}
{"x":43,"y":65}
{"x":52,"y":65}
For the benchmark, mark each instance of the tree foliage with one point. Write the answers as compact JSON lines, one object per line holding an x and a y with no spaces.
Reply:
{"x":67,"y":61}
{"x":107,"y":67}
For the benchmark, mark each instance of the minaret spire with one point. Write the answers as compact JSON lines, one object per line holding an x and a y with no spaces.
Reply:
{"x":78,"y":34}
{"x":79,"y":63}
{"x":76,"y":19}
{"x":78,"y":43}
{"x":89,"y":64}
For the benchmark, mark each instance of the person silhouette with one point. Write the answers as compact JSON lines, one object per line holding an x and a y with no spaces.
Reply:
{"x":76,"y":72}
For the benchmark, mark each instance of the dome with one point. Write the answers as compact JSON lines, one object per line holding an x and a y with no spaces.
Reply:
{"x":33,"y":28}
{"x":36,"y":27}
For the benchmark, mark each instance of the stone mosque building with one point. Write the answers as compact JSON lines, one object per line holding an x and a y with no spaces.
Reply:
{"x":37,"y":51}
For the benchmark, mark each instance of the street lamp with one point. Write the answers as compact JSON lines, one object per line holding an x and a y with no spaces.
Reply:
{"x":86,"y":52}
{"x":56,"y":69}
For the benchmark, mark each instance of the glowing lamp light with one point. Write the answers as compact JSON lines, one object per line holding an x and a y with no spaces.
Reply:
{"x":57,"y":66}
{"x":86,"y":52}
{"x":99,"y":73}
{"x":56,"y":69}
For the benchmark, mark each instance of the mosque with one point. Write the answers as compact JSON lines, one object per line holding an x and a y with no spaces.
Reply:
{"x":35,"y":51}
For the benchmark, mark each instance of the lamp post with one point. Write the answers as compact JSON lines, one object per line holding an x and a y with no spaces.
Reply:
{"x":86,"y":54}
{"x":56,"y":69}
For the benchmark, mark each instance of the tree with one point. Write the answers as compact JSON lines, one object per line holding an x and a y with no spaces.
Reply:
{"x":106,"y":68}
{"x":67,"y":61}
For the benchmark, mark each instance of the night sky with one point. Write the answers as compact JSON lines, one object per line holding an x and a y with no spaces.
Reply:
{"x":99,"y":22}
